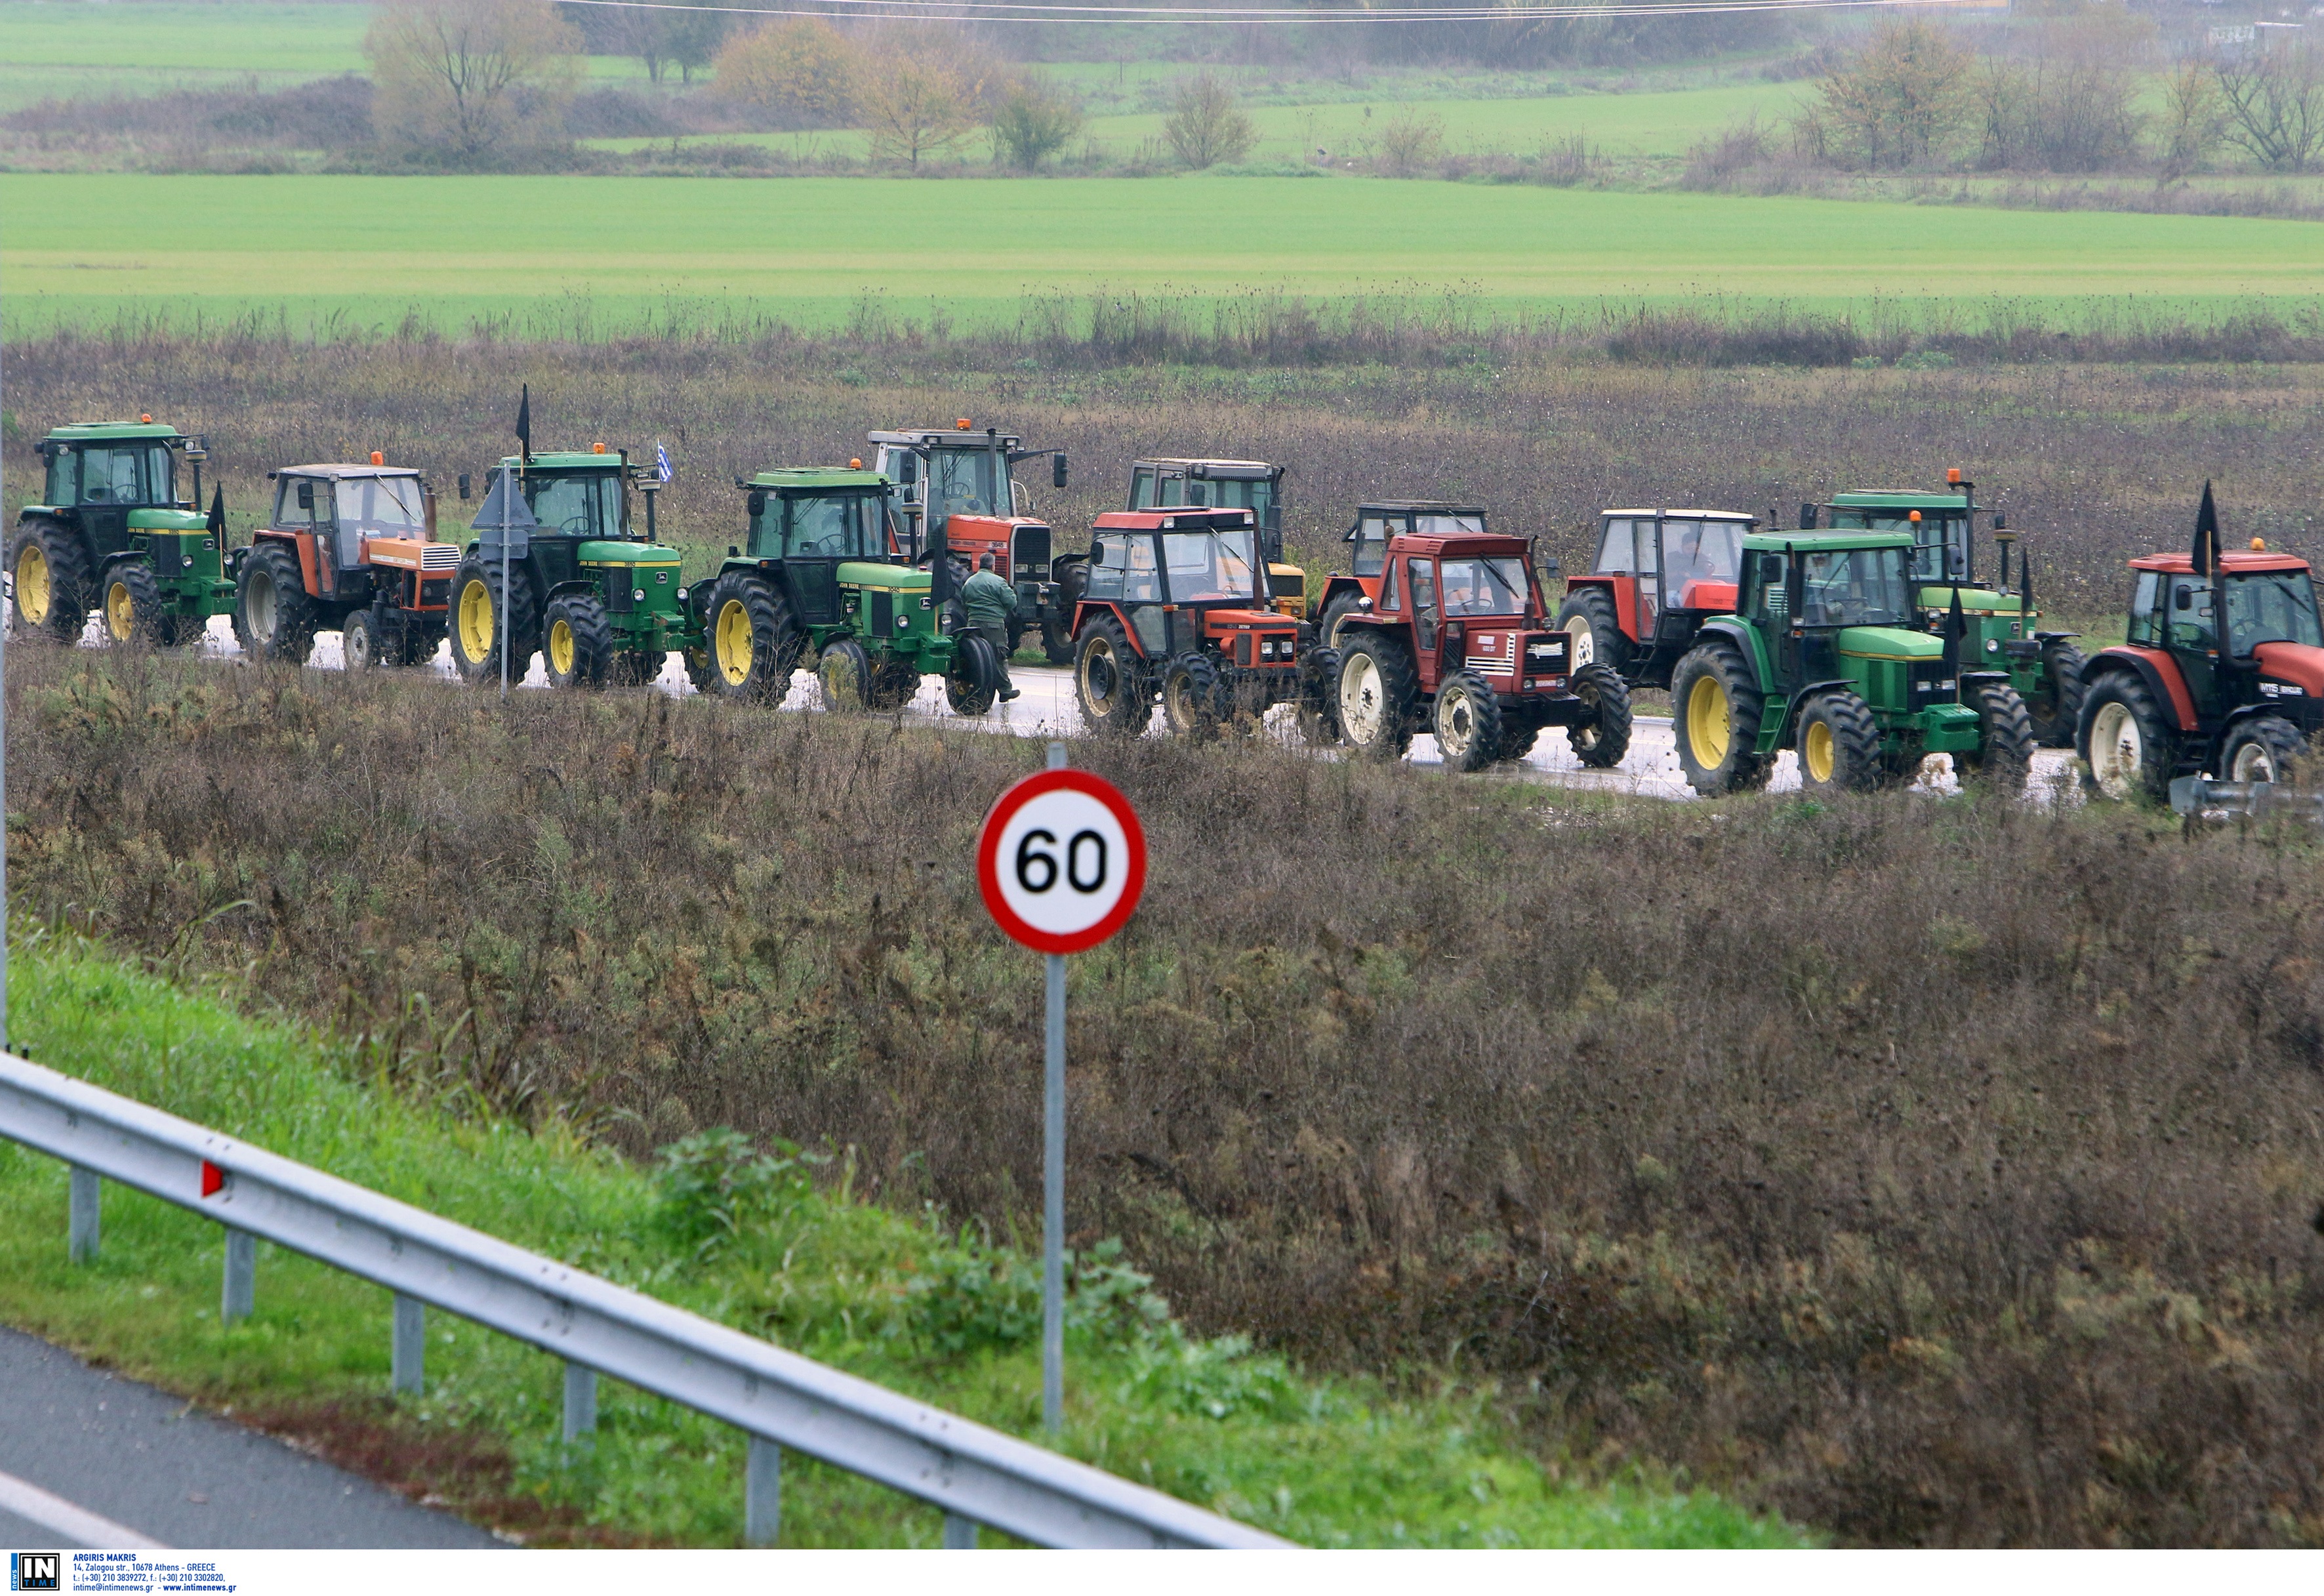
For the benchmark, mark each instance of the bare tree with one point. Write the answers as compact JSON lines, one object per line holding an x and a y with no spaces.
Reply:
{"x":1205,"y":126}
{"x":1897,"y":103}
{"x":2193,"y":119}
{"x":2275,"y":103}
{"x":917,"y":105}
{"x":462,"y":78}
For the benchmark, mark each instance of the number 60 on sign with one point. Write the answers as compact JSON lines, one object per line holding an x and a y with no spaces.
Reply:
{"x":1061,"y":860}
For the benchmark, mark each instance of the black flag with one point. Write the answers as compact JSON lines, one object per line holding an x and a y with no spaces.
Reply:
{"x":217,"y":513}
{"x":524,"y":425}
{"x":1956,"y":628}
{"x":2026,"y":595}
{"x":2207,"y":536}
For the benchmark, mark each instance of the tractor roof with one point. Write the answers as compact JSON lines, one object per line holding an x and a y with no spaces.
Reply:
{"x":1230,"y":470}
{"x":569,"y":460}
{"x":102,"y":431}
{"x":343,"y":472}
{"x":1418,"y":507}
{"x":1888,"y":500}
{"x":1688,"y":515}
{"x":941,"y":437}
{"x":816,"y":479}
{"x":1820,"y":542}
{"x":1495,"y":544}
{"x":2236,"y":561}
{"x":1181,"y":518}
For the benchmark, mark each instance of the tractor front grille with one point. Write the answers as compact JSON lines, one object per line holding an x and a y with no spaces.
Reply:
{"x":883,"y":613}
{"x":439,"y":557}
{"x":1031,"y":552}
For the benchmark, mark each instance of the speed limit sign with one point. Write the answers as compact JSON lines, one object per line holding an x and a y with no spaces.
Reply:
{"x":1062,"y":860}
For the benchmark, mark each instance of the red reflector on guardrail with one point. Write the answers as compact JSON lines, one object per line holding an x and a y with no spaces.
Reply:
{"x":213,"y":1179}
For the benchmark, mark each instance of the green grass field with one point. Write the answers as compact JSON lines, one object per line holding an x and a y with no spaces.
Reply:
{"x":85,"y":249}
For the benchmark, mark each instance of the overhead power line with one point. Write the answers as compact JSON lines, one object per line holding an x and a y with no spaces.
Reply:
{"x":1036,"y":11}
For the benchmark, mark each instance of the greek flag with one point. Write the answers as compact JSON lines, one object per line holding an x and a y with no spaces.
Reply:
{"x":661,"y":461}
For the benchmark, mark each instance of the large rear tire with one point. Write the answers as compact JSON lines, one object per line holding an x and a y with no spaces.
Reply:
{"x":132,"y":607}
{"x":2127,"y":748}
{"x":477,"y":634}
{"x":1594,"y":636}
{"x":1602,"y":741}
{"x":2005,"y":740}
{"x":576,"y":641}
{"x":755,"y":643}
{"x":1380,"y":693}
{"x":2056,"y":704}
{"x":1192,"y":704}
{"x":1839,"y":744}
{"x":1109,"y":680}
{"x":273,"y":614}
{"x":2265,"y":748}
{"x":1056,"y":645}
{"x":52,"y":581}
{"x":1327,"y":628}
{"x":1715,"y":708}
{"x":1318,"y":704}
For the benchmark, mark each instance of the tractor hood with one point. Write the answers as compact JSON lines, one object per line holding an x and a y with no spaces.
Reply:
{"x":1972,"y":598}
{"x":866,"y":573}
{"x":1887,"y":643}
{"x":2296,"y":663}
{"x":167,"y":521}
{"x":619,"y":552}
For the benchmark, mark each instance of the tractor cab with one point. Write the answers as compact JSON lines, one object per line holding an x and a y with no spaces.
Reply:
{"x":809,"y":526}
{"x":1344,"y":592}
{"x":956,"y":481}
{"x":1658,"y":574}
{"x":1228,"y":484}
{"x":350,"y":547}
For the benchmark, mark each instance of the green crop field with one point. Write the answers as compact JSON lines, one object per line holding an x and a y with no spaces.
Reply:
{"x":85,"y":249}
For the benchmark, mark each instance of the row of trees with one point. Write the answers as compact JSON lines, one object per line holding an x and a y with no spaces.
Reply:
{"x":2067,"y":98}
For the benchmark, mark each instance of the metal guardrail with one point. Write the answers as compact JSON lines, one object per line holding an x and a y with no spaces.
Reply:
{"x":977,"y":1475}
{"x":2198,"y":795}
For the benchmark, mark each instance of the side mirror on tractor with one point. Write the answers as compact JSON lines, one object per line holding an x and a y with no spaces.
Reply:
{"x":1057,"y":469}
{"x":305,"y":495}
{"x":1807,"y":518}
{"x":464,"y":485}
{"x":757,"y":502}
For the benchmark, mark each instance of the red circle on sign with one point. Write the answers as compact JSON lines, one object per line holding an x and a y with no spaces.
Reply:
{"x":988,"y":860}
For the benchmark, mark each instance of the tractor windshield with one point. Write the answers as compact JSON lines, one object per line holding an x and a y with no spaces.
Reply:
{"x":1481,"y":586}
{"x":1209,"y":565}
{"x":967,"y":482}
{"x":1854,"y":588}
{"x":1449,"y":526}
{"x":380,"y":506}
{"x":589,"y":505}
{"x":1700,"y":551}
{"x":1940,"y":538}
{"x":140,"y":474}
{"x":836,"y":526}
{"x":2272,"y":608}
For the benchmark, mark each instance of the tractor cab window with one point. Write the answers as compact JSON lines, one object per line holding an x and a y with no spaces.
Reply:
{"x":1368,"y":553}
{"x":1853,"y":588}
{"x":1940,"y":538}
{"x":1422,"y":573}
{"x":2272,"y":608}
{"x":1449,"y":526}
{"x":1170,"y":490}
{"x":63,"y":485}
{"x":381,"y":507}
{"x":1768,"y":601}
{"x":1122,"y":566}
{"x":1235,"y":493}
{"x":294,"y":501}
{"x":1699,"y":552}
{"x":1212,"y":565}
{"x":1617,"y":554}
{"x":1142,"y":489}
{"x":834,"y":526}
{"x":2188,"y":614}
{"x":582,"y":506}
{"x":966,"y":482}
{"x":131,"y":474}
{"x":1479,"y":587}
{"x":2146,"y":626}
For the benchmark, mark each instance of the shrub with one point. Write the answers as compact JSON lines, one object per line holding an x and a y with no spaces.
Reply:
{"x":1034,"y":122}
{"x":802,"y":72}
{"x":1205,"y":126}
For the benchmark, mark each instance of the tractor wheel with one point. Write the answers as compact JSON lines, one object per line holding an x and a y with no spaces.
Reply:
{"x":635,"y":667}
{"x":1715,"y":704}
{"x":701,"y":670}
{"x":576,"y":641}
{"x":844,"y":673}
{"x":895,"y":682}
{"x":2265,"y":748}
{"x":1593,"y":635}
{"x":1108,"y":682}
{"x":1016,"y":636}
{"x":1467,"y":721}
{"x":1337,"y":611}
{"x":2005,"y":740}
{"x":132,"y":607}
{"x":52,"y":581}
{"x":2127,"y":748}
{"x":1057,"y":643}
{"x":1318,"y":711}
{"x":1602,"y":742}
{"x":1192,"y":704}
{"x":2057,"y":703}
{"x":1379,"y":694}
{"x":974,"y":681}
{"x":362,"y":647}
{"x":475,"y":622}
{"x":1839,"y":744}
{"x":273,"y":614}
{"x":754,"y":643}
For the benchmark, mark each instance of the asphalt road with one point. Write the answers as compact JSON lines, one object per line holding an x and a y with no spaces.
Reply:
{"x":85,"y":1457}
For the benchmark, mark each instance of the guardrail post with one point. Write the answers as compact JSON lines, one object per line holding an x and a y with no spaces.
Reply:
{"x":410,"y":1354}
{"x":960,"y":1534}
{"x":580,"y":1402}
{"x":763,"y":1493}
{"x":240,"y":1297}
{"x":81,"y":1225}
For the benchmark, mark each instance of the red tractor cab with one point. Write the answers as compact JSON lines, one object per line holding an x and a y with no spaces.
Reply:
{"x":1344,"y":592}
{"x":1174,"y":608}
{"x":350,"y":547}
{"x":1659,"y":574}
{"x":1457,"y":637}
{"x":2182,"y":695}
{"x":956,"y":480}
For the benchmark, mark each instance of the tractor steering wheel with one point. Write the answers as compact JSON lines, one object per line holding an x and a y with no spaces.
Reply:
{"x":576,"y":525}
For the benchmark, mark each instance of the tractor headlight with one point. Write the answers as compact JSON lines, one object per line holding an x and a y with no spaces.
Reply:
{"x":189,"y":562}
{"x":681,"y":595}
{"x":1993,"y":645}
{"x":639,"y":596}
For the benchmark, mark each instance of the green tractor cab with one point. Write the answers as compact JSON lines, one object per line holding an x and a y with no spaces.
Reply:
{"x":820,"y":576}
{"x":597,"y":599}
{"x":113,"y":535}
{"x":2045,"y":667}
{"x":1826,"y":655}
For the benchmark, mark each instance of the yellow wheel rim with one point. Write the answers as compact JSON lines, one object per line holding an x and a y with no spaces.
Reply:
{"x":1708,"y":725}
{"x":561,"y":646}
{"x":1816,"y":751}
{"x":475,"y":619}
{"x":120,"y":613}
{"x":33,"y":591}
{"x":734,"y":642}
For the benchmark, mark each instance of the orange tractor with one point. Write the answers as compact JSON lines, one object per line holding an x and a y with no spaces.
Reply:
{"x":1174,"y":608}
{"x":351,"y":548}
{"x":956,"y":481}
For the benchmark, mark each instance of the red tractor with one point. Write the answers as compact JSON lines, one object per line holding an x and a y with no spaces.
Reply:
{"x":2180,"y":696}
{"x":1174,"y":608}
{"x":351,"y":548}
{"x":1346,"y":591}
{"x":1457,"y":637}
{"x":1659,"y":574}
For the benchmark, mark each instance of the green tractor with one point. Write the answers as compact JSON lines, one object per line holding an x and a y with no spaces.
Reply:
{"x":597,"y":600}
{"x":1824,"y":655}
{"x":820,"y":578}
{"x":111,"y":535}
{"x":2044,"y":666}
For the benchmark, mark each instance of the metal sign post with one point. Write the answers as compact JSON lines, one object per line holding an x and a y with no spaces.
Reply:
{"x":1060,"y":863}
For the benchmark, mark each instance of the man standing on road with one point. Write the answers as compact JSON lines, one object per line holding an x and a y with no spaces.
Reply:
{"x":989,"y":601}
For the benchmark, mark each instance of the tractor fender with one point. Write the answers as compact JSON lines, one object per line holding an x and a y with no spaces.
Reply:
{"x":1622,"y":588}
{"x":126,"y":556}
{"x":2156,"y":669}
{"x":579,"y":584}
{"x":1089,"y":609}
{"x":2050,"y":637}
{"x":1336,"y":585}
{"x":1966,"y":677}
{"x":1747,"y":642}
{"x":2301,"y":712}
{"x":1800,"y":701}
